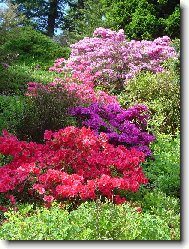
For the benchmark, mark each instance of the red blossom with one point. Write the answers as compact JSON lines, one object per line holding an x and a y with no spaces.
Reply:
{"x":73,"y":162}
{"x":48,"y":198}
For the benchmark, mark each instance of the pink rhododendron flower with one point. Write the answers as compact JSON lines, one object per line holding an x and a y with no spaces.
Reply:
{"x":109,"y":57}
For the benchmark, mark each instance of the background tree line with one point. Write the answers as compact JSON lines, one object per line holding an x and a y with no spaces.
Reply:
{"x":140,"y":19}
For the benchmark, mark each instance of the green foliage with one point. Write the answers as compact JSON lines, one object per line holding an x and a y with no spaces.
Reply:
{"x":46,"y":111}
{"x":24,"y":57}
{"x":166,"y":207}
{"x":172,"y":23}
{"x":172,"y":64}
{"x":150,"y":26}
{"x":5,"y":159}
{"x":14,"y":79}
{"x":10,"y":19}
{"x":161,"y":93}
{"x":9,"y":22}
{"x":117,"y":13}
{"x":10,"y":109}
{"x":32,"y":45}
{"x":158,"y":203}
{"x":143,"y":19}
{"x":91,"y":221}
{"x":81,"y":21}
{"x":164,"y":171}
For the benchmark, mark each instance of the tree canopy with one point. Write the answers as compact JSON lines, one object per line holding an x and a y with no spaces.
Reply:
{"x":140,"y":19}
{"x":144,"y":19}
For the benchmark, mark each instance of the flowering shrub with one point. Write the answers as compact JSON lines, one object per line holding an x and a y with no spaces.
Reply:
{"x":110,"y":58}
{"x":45,"y":110}
{"x":84,"y":93}
{"x":104,"y":114}
{"x":127,"y":127}
{"x":75,"y":75}
{"x":73,"y":163}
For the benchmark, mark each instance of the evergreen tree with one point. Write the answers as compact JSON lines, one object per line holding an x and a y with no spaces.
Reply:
{"x":81,"y":20}
{"x":44,"y":15}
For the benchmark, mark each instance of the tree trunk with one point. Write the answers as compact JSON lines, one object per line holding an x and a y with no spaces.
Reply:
{"x":53,"y":13}
{"x":80,"y":4}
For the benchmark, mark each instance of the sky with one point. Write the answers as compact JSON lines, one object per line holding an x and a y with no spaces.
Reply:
{"x":3,"y":5}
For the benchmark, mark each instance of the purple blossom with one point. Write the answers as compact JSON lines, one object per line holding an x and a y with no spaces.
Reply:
{"x":5,"y":65}
{"x":123,"y":126}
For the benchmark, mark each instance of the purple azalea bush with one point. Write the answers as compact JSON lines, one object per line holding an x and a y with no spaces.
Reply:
{"x":123,"y":126}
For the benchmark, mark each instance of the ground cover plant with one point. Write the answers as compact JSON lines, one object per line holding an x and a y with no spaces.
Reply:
{"x":91,"y":221}
{"x":93,"y":144}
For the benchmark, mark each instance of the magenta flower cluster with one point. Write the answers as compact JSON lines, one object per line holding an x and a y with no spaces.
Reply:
{"x":123,"y":127}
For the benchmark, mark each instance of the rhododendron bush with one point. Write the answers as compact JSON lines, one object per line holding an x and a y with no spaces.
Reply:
{"x":104,"y":113}
{"x":109,"y":58}
{"x":72,"y":163}
{"x":85,"y":94}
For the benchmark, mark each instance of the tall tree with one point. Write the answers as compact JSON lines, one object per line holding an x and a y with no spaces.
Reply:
{"x":44,"y":15}
{"x":81,"y":20}
{"x":52,"y":16}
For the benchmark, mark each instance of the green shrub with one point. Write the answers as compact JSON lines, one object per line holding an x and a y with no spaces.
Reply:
{"x":10,"y":109}
{"x":46,"y":111}
{"x":32,"y":44}
{"x":174,"y":64}
{"x":164,"y":171}
{"x":91,"y":221}
{"x":172,"y":23}
{"x":161,"y":93}
{"x":166,"y":207}
{"x":150,"y":27}
{"x":25,"y":56}
{"x":14,"y":79}
{"x":143,"y":19}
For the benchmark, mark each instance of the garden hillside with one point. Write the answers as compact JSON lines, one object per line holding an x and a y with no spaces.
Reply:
{"x":89,"y":137}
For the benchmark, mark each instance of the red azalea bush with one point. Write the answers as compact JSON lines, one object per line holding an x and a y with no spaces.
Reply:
{"x":73,"y":163}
